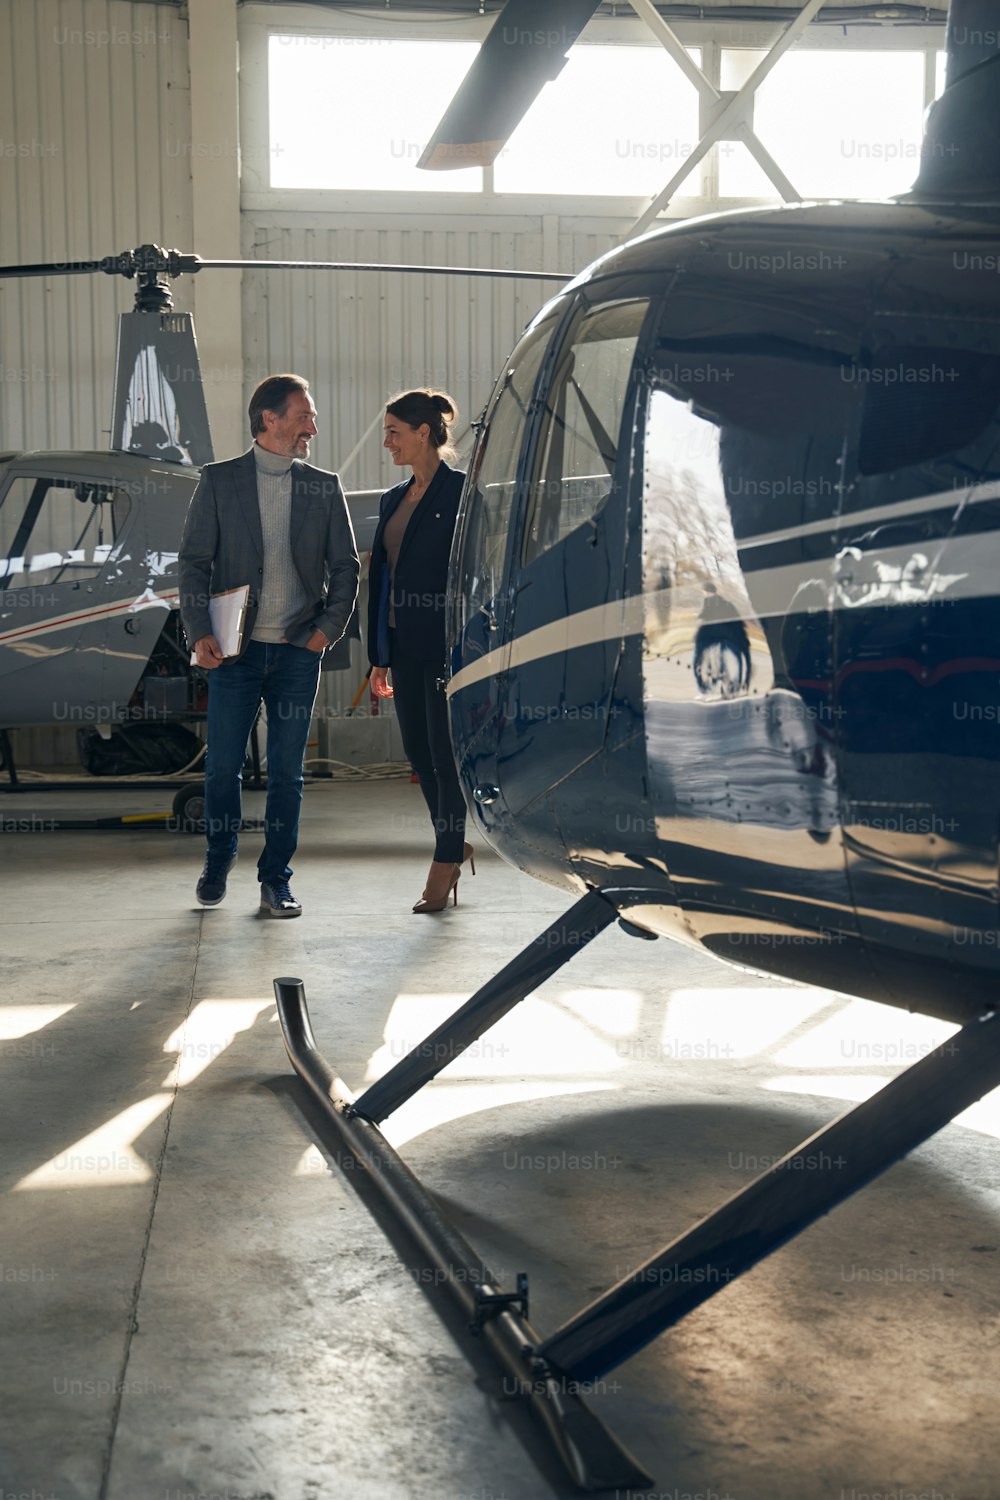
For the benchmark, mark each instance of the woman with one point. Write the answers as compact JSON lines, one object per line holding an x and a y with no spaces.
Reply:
{"x":407,"y":583}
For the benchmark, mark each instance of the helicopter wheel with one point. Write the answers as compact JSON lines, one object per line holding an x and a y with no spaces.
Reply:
{"x":189,"y":808}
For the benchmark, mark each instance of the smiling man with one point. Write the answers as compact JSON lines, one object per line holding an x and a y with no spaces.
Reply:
{"x":273,"y":523}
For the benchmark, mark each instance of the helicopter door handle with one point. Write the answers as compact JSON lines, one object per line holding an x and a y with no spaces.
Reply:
{"x":486,"y":794}
{"x":491,"y":619}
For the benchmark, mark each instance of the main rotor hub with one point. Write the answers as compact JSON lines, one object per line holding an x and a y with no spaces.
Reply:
{"x":151,"y":265}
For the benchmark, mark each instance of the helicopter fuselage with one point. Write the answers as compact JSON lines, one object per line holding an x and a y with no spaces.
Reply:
{"x":88,"y":581}
{"x":89,"y":557}
{"x":724,"y":615}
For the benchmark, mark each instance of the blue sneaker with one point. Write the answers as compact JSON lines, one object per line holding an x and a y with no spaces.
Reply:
{"x":276,"y":900}
{"x":211,"y":885}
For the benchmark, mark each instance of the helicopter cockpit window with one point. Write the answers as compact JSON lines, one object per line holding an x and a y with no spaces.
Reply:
{"x":488,"y":511}
{"x":578,"y":445}
{"x":55,"y":531}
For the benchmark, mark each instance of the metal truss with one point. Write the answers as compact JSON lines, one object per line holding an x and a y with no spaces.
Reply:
{"x":722,"y":116}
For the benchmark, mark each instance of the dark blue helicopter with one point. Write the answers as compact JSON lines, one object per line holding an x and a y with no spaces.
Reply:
{"x":723,"y":619}
{"x":725,"y":664}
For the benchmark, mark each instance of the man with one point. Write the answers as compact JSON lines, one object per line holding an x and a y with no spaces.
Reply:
{"x":273,"y":522}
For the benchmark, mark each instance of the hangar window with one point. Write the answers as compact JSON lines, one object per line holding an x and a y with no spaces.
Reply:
{"x":57,"y":531}
{"x":344,"y":112}
{"x":839,"y":124}
{"x":619,"y":119}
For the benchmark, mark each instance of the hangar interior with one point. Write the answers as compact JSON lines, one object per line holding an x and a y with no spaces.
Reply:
{"x":199,"y":1298}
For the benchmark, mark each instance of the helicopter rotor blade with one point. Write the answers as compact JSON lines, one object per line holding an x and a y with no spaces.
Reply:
{"x":174,"y":263}
{"x":349,"y":265}
{"x":525,"y":49}
{"x":57,"y":268}
{"x":146,"y":261}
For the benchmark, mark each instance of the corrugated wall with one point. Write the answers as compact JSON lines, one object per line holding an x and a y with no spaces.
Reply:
{"x":362,"y":336}
{"x":94,"y":159}
{"x":359,"y":337}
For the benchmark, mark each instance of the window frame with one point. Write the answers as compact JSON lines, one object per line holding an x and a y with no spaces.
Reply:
{"x":557,"y":383}
{"x":557,"y":319}
{"x":257,"y":23}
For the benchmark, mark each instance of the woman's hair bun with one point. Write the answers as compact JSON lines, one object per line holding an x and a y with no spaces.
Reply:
{"x":436,"y":408}
{"x":444,"y":403}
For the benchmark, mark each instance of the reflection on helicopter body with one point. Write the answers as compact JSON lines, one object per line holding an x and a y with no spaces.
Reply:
{"x":751,"y":580}
{"x":721,"y":651}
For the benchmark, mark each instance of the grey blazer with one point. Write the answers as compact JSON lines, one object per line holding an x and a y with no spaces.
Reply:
{"x":223,"y":548}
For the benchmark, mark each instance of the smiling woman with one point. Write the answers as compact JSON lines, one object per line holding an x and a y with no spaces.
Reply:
{"x":407,"y":587}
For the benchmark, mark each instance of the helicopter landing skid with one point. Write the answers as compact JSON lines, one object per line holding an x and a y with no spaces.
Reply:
{"x":809,"y":1181}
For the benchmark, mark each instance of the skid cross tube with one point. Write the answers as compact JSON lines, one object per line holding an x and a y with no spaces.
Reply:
{"x":593,"y":1456}
{"x":532,"y":966}
{"x":804,"y":1185}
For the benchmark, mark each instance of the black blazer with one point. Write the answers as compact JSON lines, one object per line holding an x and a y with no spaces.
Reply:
{"x":421,"y":580}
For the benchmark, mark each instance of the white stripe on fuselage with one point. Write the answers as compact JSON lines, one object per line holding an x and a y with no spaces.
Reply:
{"x":963,"y":567}
{"x":603,"y":622}
{"x":894,"y":510}
{"x":168,"y":599}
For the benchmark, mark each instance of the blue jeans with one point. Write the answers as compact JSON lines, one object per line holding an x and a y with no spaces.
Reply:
{"x":285,"y":678}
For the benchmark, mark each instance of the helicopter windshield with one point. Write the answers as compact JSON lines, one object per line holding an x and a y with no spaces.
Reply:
{"x":54,"y":530}
{"x":491,"y":497}
{"x":583,"y":410}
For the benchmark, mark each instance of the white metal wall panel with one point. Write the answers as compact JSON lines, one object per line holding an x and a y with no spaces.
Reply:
{"x":359,"y":337}
{"x":94,"y":159}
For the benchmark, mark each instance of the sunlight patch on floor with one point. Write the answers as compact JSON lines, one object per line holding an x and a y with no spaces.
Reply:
{"x":439,"y":1104}
{"x":865,"y":1034}
{"x":537,"y":1028}
{"x":312,"y":1163}
{"x":21,"y":1020}
{"x":212,"y":1026}
{"x":740,"y":1020}
{"x":983,"y":1116}
{"x":614,"y":1012}
{"x":105,"y":1157}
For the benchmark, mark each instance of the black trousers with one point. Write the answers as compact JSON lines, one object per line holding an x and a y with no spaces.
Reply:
{"x":422,"y":711}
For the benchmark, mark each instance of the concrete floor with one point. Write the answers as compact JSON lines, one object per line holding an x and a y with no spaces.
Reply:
{"x":196,"y":1304}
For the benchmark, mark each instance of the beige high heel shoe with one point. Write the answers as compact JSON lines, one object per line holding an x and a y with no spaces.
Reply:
{"x":469,"y":857}
{"x":442,"y":882}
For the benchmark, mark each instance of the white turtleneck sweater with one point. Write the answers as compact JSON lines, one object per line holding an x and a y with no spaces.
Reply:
{"x":282,"y":596}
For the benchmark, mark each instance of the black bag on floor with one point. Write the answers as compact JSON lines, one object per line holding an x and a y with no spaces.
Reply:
{"x":137,"y":749}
